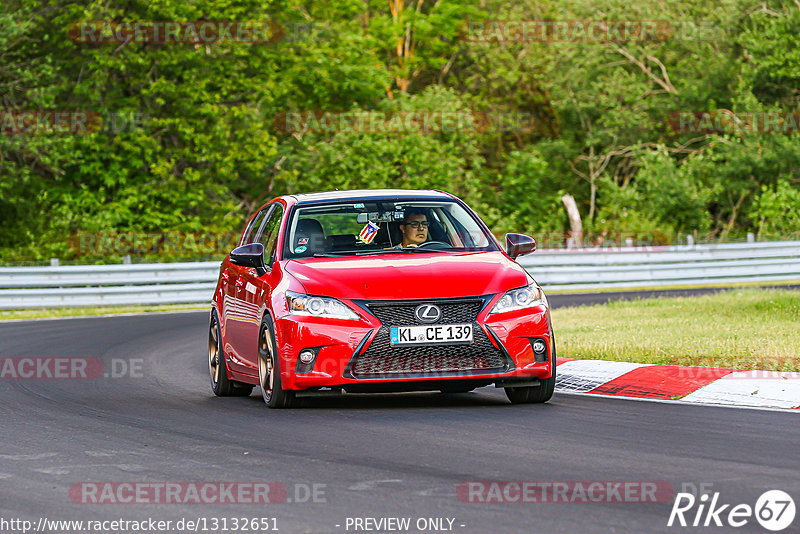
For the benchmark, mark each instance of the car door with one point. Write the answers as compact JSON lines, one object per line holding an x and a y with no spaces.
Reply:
{"x":234,"y":293}
{"x":256,"y":289}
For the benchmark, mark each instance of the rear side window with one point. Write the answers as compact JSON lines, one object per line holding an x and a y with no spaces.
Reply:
{"x":254,"y":225}
{"x":268,"y":235}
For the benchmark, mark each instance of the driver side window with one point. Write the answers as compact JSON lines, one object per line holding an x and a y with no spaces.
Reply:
{"x":255,"y":224}
{"x":268,"y":236}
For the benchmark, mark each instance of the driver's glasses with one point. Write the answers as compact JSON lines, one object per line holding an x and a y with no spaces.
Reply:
{"x":416,"y":225}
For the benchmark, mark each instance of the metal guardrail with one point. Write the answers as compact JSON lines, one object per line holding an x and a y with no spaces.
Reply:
{"x":107,"y":285}
{"x":194,"y":282}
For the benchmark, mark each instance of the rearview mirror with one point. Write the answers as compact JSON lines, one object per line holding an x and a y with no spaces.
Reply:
{"x":519,"y":245}
{"x":251,"y":255}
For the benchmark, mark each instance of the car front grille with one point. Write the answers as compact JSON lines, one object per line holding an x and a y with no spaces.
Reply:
{"x":382,"y":360}
{"x":402,"y":314}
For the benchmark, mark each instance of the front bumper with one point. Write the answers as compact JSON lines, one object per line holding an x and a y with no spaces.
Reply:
{"x":357,"y":353}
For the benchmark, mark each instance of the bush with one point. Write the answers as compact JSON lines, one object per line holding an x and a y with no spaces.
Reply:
{"x":777,"y":210}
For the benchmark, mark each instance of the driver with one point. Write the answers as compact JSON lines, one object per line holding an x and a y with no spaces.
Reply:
{"x":414,"y":228}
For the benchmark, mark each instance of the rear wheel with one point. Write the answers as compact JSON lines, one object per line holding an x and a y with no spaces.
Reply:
{"x":269,"y":371}
{"x":218,"y":369}
{"x":536,"y":394}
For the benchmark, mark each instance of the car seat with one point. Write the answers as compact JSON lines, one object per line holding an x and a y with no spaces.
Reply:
{"x":340,"y":242}
{"x":309,"y":238}
{"x":436,"y":231}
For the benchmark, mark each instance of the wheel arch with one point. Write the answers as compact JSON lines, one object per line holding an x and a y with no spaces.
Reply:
{"x":287,"y":375}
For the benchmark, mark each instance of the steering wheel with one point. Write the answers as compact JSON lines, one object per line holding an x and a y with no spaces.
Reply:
{"x":429,"y":243}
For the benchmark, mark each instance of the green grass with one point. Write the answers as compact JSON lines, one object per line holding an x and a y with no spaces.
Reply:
{"x":99,"y":310}
{"x":721,"y":285}
{"x":741,"y":329}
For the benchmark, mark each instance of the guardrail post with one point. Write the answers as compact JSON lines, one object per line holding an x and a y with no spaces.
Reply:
{"x":53,"y":262}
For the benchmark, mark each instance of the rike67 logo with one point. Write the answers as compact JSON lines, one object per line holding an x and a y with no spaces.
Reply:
{"x":774,"y":510}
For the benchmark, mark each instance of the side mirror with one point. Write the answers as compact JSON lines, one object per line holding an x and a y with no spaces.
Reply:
{"x":251,"y":255}
{"x":519,"y":245}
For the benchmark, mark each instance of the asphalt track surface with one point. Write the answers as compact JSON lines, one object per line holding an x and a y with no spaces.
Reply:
{"x":377,"y":456}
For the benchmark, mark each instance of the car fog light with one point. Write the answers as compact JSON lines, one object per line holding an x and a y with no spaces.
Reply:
{"x":306,"y":356}
{"x":539,"y":346}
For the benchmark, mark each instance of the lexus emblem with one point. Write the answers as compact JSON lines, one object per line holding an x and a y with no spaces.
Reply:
{"x":428,"y":313}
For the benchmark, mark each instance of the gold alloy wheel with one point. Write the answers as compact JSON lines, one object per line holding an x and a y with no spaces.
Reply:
{"x":213,"y":353}
{"x":266,"y":364}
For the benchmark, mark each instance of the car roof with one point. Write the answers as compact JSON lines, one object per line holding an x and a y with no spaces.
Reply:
{"x":371,"y":194}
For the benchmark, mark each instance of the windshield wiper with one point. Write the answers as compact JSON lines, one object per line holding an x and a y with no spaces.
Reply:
{"x":379,"y":251}
{"x":331,"y":254}
{"x":404,"y":250}
{"x":426,"y":249}
{"x":340,"y":253}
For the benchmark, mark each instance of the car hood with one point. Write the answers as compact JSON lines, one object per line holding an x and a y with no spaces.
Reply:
{"x":409,"y":275}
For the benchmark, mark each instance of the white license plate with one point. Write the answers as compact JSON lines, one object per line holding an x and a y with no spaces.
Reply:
{"x":431,"y":335}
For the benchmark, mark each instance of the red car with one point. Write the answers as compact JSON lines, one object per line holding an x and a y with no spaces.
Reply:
{"x":377,"y":291}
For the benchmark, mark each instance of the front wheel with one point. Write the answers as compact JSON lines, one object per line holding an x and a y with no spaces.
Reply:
{"x":269,"y":371}
{"x":536,"y":394}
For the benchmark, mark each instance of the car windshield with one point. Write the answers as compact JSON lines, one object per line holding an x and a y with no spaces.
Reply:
{"x":385,"y":227}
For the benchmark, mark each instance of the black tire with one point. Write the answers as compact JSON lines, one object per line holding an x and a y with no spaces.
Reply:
{"x":218,"y":368}
{"x":536,"y":394}
{"x":269,"y":370}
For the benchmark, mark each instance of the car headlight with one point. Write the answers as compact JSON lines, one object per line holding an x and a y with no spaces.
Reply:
{"x":521,"y":298}
{"x":300,"y":304}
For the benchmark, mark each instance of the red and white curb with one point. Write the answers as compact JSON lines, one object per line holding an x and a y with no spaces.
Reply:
{"x":703,"y":385}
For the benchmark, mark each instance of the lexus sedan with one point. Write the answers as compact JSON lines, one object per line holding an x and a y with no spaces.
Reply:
{"x":377,"y":291}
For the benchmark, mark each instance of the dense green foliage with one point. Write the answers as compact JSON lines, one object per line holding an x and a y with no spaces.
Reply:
{"x":209,"y":150}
